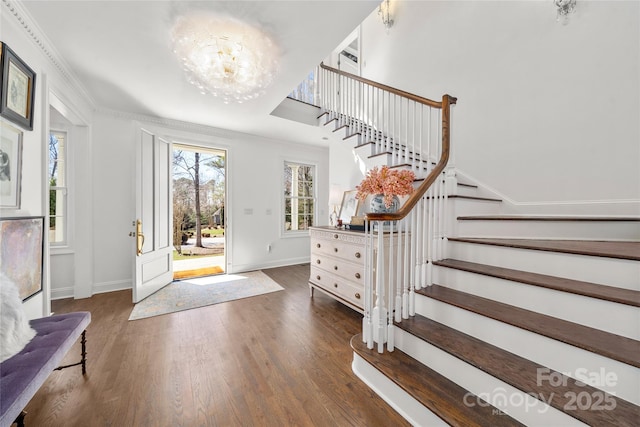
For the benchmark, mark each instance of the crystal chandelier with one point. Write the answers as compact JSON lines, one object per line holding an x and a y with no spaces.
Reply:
{"x":224,"y":57}
{"x":565,"y":7}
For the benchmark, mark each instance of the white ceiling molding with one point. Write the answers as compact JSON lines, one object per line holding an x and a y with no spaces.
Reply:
{"x":36,"y":35}
{"x":174,"y":124}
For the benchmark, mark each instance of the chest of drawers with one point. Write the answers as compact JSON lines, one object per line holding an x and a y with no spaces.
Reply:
{"x":337,"y":264}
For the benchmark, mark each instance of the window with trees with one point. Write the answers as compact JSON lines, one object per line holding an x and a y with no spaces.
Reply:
{"x":299,"y":197}
{"x":58,"y":188}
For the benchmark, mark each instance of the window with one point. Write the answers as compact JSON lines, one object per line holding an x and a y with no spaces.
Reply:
{"x":57,"y":188}
{"x":299,"y":196}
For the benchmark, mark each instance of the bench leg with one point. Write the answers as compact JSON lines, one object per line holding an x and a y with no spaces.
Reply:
{"x":20,"y":420}
{"x":83,"y":341}
{"x":83,"y":362}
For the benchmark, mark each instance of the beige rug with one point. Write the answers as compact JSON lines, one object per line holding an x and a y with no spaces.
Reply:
{"x":203,"y":291}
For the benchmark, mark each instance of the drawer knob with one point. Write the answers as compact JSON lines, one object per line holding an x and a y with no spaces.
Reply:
{"x":317,"y":261}
{"x":335,"y":236}
{"x":317,"y":277}
{"x":317,"y":245}
{"x":357,"y":275}
{"x":335,"y":267}
{"x":357,"y":295}
{"x":335,"y":285}
{"x":357,"y":254}
{"x":335,"y":249}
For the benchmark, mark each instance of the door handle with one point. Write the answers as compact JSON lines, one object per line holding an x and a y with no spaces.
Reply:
{"x":139,"y":237}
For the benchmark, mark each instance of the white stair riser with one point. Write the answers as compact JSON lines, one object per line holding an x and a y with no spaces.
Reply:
{"x":607,"y":271}
{"x":463,"y":190}
{"x":364,"y":151}
{"x":412,"y":410}
{"x":377,"y":161}
{"x":458,"y":206}
{"x":578,"y":230}
{"x":515,"y":402}
{"x":545,"y":351}
{"x":608,"y":316}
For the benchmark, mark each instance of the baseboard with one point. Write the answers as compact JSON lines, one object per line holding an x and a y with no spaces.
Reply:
{"x":116,"y":285}
{"x":61,"y":293}
{"x":241,"y":268}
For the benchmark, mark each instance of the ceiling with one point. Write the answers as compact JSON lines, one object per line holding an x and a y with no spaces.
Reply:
{"x":120,"y":53}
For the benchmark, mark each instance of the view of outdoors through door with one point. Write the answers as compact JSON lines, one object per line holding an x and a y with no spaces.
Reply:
{"x":198,"y":211}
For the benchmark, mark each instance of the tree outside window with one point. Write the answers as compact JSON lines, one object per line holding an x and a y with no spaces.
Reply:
{"x":299,"y":196}
{"x":57,"y":188}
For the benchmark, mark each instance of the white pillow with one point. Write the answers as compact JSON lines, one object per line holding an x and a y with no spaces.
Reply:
{"x":15,"y":331}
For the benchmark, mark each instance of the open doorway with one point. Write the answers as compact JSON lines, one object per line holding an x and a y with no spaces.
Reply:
{"x":199,"y":222}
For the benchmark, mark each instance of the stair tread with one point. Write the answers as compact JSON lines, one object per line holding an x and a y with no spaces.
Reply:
{"x":462,"y":184}
{"x":460,"y":196}
{"x":522,"y":373}
{"x":548,"y":218}
{"x":594,"y":290}
{"x":613,"y":346}
{"x":439,"y":394}
{"x":609,"y":249}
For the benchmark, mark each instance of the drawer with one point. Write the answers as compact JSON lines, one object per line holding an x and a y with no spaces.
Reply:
{"x":346,"y":251}
{"x":338,"y":286}
{"x":347,"y":270}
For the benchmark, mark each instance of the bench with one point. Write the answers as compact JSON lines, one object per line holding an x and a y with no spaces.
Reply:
{"x":23,"y":374}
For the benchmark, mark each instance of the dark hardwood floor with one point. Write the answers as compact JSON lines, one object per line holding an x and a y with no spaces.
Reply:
{"x":280,"y":359}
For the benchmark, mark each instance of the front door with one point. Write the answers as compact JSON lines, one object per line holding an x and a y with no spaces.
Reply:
{"x":153,"y":223}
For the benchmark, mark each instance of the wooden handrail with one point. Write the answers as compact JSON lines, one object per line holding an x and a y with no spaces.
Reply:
{"x":447,"y":100}
{"x":411,"y":96}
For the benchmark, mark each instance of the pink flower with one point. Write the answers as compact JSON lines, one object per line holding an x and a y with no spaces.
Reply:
{"x":387,"y":182}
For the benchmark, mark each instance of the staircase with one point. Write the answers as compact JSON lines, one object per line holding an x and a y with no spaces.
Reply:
{"x":517,"y":323}
{"x":522,"y":320}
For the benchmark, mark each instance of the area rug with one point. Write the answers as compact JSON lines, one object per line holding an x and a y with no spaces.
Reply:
{"x":203,"y":291}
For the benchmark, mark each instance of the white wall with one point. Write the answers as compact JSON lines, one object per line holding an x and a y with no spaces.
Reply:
{"x":24,"y":41}
{"x":255,"y":176}
{"x":546,"y":114}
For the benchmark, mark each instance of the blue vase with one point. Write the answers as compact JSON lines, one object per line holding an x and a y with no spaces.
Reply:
{"x":377,"y":206}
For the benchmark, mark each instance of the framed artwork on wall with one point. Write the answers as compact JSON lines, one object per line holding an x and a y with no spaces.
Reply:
{"x":349,"y":206}
{"x":16,"y":88}
{"x":10,"y":166}
{"x":21,"y":253}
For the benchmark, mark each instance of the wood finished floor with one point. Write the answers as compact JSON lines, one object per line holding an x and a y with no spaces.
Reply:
{"x":280,"y":359}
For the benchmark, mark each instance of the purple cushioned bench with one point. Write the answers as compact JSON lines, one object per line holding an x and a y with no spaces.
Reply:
{"x":23,"y":374}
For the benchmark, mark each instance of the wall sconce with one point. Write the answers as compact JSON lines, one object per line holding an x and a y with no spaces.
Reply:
{"x":384,"y":10}
{"x":565,"y":7}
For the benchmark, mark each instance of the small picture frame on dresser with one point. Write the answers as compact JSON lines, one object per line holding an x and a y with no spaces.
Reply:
{"x":349,"y":206}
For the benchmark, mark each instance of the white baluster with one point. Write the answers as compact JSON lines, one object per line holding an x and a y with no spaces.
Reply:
{"x":368,"y":305}
{"x":380,"y":311}
{"x":391,"y":269}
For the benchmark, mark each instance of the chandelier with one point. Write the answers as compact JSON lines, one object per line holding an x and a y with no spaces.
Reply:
{"x":224,"y":57}
{"x":565,"y":7}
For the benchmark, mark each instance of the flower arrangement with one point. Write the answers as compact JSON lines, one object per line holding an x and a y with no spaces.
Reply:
{"x":387,"y":182}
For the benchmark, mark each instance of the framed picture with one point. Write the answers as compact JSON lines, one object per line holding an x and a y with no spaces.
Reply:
{"x":16,"y":89}
{"x":10,"y":166}
{"x":349,"y":206}
{"x":21,"y":253}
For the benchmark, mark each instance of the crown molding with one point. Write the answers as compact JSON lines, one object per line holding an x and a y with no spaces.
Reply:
{"x":26,"y":22}
{"x":174,"y":124}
